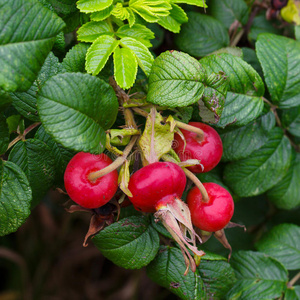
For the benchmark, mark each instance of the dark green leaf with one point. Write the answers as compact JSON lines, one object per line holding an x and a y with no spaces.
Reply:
{"x":37,"y":161}
{"x":61,"y":154}
{"x":213,"y":35}
{"x":175,"y":80}
{"x":279,"y":57}
{"x":250,"y":57}
{"x":15,"y":197}
{"x":291,"y":120}
{"x":285,"y":194}
{"x":5,"y":99}
{"x":130,"y":243}
{"x":262,"y":169}
{"x":4,"y":134}
{"x":75,"y":58}
{"x":240,"y":142}
{"x":26,"y":38}
{"x":167,"y":270}
{"x":76,"y":108}
{"x":25,"y":102}
{"x":283,"y":243}
{"x":292,"y":293}
{"x":258,"y":276}
{"x":229,"y":11}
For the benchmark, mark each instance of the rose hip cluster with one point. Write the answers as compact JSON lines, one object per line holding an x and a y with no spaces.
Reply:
{"x":158,"y":187}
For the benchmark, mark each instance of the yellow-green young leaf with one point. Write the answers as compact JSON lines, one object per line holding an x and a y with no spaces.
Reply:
{"x":89,"y":6}
{"x":143,"y":55}
{"x":157,"y":137}
{"x":90,"y":31}
{"x":98,"y":54}
{"x":102,"y":15}
{"x":123,"y":180}
{"x":125,"y":67}
{"x":120,"y":12}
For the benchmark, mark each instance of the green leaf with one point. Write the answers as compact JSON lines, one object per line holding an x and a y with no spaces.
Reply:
{"x":89,"y":6}
{"x":290,"y":119}
{"x":229,"y":11}
{"x":297,"y":32}
{"x":173,"y":21}
{"x":167,"y":270}
{"x":37,"y":161}
{"x":286,"y":193}
{"x":5,"y":100}
{"x":239,"y":143}
{"x":139,"y":32}
{"x":130,"y":243}
{"x":143,"y":55}
{"x":235,"y":51}
{"x":292,"y":293}
{"x":76,"y":108}
{"x":90,"y":31}
{"x":218,"y":277}
{"x":74,"y":60}
{"x":157,"y":137}
{"x":13,"y":122}
{"x":250,"y":57}
{"x":279,"y":57}
{"x":258,"y":276}
{"x":25,"y":102}
{"x":213,"y":35}
{"x":15,"y":197}
{"x":175,"y":80}
{"x":26,"y":38}
{"x":200,"y":3}
{"x":61,"y":154}
{"x":102,"y":15}
{"x":4,"y":134}
{"x":99,"y":52}
{"x":125,"y":67}
{"x":283,"y":243}
{"x":262,"y":169}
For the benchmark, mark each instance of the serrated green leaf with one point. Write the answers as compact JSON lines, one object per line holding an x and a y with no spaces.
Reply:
{"x":283,"y":243}
{"x":74,"y":60}
{"x":218,"y":277}
{"x":175,"y":80}
{"x":61,"y":154}
{"x":137,"y":31}
{"x":286,"y":193}
{"x":25,"y":102}
{"x":229,"y":11}
{"x":130,"y":243}
{"x":290,"y":119}
{"x":279,"y":57}
{"x":26,"y":38}
{"x":36,"y":160}
{"x":167,"y":270}
{"x":90,"y":31}
{"x":4,"y":134}
{"x":235,"y":51}
{"x":15,"y":197}
{"x":102,"y":15}
{"x":121,"y":12}
{"x":125,"y":67}
{"x":143,"y":55}
{"x":258,"y":276}
{"x":213,"y":35}
{"x":157,"y":137}
{"x":98,"y":54}
{"x":76,"y":108}
{"x":239,"y":143}
{"x":262,"y":169}
{"x":173,"y":21}
{"x":89,"y":6}
{"x":292,"y":293}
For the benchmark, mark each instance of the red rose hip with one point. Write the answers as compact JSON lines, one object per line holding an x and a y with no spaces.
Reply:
{"x":212,"y":215}
{"x":207,"y":150}
{"x":90,"y":194}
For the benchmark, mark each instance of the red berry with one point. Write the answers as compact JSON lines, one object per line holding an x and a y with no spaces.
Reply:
{"x":154,"y":183}
{"x":212,"y":215}
{"x":84,"y":192}
{"x":208,"y":151}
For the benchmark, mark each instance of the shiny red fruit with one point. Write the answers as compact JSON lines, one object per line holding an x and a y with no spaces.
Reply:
{"x":216,"y":213}
{"x":208,"y":151}
{"x":84,"y":192}
{"x":156,"y":183}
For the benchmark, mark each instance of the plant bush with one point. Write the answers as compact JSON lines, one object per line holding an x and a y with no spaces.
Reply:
{"x":122,"y":78}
